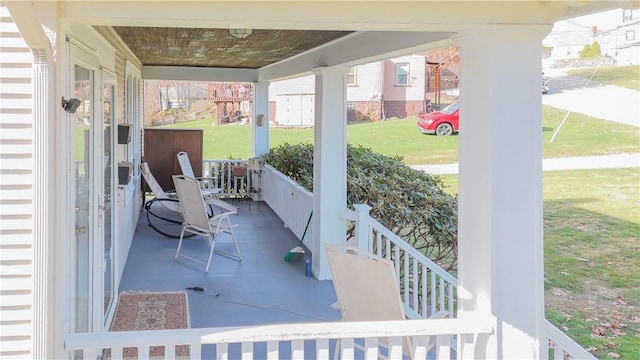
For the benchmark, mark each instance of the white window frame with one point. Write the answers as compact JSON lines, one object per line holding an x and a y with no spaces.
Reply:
{"x":401,"y":67}
{"x":630,"y":35}
{"x":352,"y":73}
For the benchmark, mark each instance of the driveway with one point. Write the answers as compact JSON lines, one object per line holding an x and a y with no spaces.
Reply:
{"x":606,"y":102}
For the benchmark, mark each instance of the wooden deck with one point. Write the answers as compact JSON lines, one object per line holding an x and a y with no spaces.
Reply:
{"x":261,"y":289}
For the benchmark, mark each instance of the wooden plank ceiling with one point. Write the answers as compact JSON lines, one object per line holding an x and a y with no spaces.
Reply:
{"x":201,"y":47}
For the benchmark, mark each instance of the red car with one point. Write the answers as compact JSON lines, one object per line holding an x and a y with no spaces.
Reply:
{"x":443,"y":123}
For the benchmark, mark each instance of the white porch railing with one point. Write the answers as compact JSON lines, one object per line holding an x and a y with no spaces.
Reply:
{"x":222,"y":173}
{"x":290,"y":201}
{"x":292,"y":341}
{"x":427,"y":289}
{"x":562,"y":347}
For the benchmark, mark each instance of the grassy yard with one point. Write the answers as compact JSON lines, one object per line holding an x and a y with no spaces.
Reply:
{"x":581,"y":135}
{"x":625,"y":76}
{"x":592,"y":257}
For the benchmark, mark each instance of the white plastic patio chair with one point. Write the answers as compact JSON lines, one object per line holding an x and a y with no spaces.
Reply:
{"x":367,"y":290}
{"x":207,"y":184}
{"x":196,"y":220}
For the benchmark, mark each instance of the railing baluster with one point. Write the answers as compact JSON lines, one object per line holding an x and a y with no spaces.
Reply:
{"x":116,"y":353}
{"x":419,"y":344}
{"x":425,"y":292}
{"x":272,"y":350}
{"x":443,"y":351}
{"x":558,"y":354}
{"x":395,"y":347}
{"x":322,"y":349}
{"x":247,"y":351}
{"x":346,"y":349}
{"x":406,"y":284}
{"x":195,"y":350}
{"x":222,"y":351}
{"x":451,"y":299}
{"x":297,"y":349}
{"x":379,"y":243}
{"x":441,"y":291}
{"x":143,"y":352}
{"x":432,"y":297}
{"x":416,"y":283}
{"x":371,"y":348}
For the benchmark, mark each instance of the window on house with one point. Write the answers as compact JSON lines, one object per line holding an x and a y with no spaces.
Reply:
{"x":351,"y":105}
{"x":351,"y":76}
{"x":402,"y":74}
{"x":630,"y":35}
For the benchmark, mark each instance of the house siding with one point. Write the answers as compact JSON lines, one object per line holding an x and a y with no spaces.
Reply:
{"x":16,"y":192}
{"x":415,"y":90}
{"x":374,"y":96}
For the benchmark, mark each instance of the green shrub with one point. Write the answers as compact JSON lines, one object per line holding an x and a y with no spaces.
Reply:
{"x":592,"y":51}
{"x":409,"y":202}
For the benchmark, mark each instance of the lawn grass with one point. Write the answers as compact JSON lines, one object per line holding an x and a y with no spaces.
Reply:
{"x":592,"y":256}
{"x":581,"y":135}
{"x":625,"y":76}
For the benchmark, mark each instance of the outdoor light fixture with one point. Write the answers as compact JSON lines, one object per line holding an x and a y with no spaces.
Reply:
{"x":71,"y":105}
{"x":240,"y":33}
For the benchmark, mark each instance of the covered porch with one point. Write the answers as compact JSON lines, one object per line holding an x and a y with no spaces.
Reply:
{"x":245,"y":287}
{"x":499,"y":307}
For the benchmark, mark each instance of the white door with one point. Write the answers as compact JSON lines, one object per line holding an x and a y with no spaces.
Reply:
{"x":109,"y":128}
{"x":86,"y":188}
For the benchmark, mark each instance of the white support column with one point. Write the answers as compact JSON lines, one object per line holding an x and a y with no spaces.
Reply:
{"x":260,"y":118}
{"x":43,"y":271}
{"x":500,"y":189}
{"x":330,"y":164}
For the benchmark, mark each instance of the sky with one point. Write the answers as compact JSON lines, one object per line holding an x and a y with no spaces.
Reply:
{"x":604,"y":21}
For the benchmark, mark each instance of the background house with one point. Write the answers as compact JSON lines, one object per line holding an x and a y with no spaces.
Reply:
{"x":616,"y":31}
{"x":395,"y":87}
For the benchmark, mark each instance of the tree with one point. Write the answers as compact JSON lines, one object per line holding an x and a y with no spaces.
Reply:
{"x":590,"y":51}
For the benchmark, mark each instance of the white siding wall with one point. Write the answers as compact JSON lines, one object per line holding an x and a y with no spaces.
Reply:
{"x":368,"y":83}
{"x":301,"y":85}
{"x":16,"y":192}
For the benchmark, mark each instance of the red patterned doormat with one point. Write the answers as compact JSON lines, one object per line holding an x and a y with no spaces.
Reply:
{"x":152,"y":311}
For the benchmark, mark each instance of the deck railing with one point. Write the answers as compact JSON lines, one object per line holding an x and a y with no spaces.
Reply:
{"x":222,"y":173}
{"x":427,"y":289}
{"x":290,"y":201}
{"x":291,"y":341}
{"x":562,"y":347}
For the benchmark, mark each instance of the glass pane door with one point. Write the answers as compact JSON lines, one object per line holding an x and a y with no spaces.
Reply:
{"x":108,"y":110}
{"x":82,"y":144}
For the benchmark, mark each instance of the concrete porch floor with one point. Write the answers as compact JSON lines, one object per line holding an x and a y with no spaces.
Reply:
{"x":261,"y":289}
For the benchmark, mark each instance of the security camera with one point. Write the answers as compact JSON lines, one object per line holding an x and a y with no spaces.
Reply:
{"x":71,"y":105}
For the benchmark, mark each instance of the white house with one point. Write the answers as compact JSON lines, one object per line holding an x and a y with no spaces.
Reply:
{"x":70,"y":79}
{"x":387,"y":88}
{"x":616,"y":31}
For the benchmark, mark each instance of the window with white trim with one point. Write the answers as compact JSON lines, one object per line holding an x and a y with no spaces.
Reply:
{"x":402,"y":74}
{"x":630,"y":35}
{"x":351,"y":76}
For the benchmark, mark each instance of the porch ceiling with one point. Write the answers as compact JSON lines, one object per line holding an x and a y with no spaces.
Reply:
{"x":201,"y":47}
